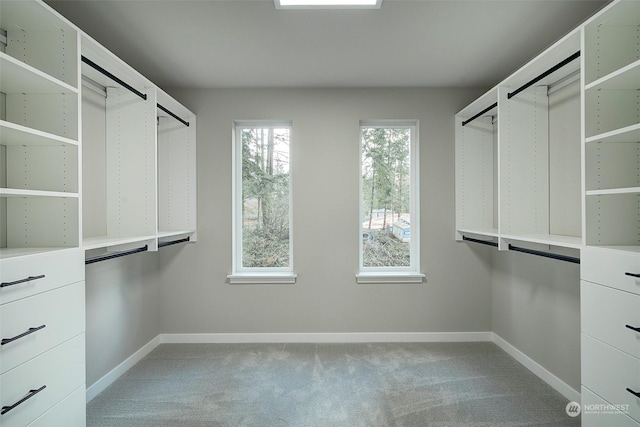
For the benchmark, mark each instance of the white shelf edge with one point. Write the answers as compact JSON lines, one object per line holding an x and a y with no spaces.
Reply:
{"x":613,"y":75}
{"x":17,"y":192}
{"x":104,"y":241}
{"x":6,"y":253}
{"x":66,"y":87}
{"x":163,"y":234}
{"x":614,"y":133}
{"x":628,"y":190}
{"x":559,"y":240}
{"x":36,"y":133}
{"x":479,"y":232}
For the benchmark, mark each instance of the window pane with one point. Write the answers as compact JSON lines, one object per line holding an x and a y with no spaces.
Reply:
{"x":265,"y":197}
{"x":386,"y":203}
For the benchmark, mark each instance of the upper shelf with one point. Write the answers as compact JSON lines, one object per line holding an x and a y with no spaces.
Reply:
{"x":18,"y":77}
{"x":15,"y":134}
{"x":627,"y":77}
{"x":626,"y":134}
{"x":20,"y":192}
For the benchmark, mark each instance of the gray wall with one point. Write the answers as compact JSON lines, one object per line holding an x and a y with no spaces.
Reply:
{"x":123,"y":302}
{"x":195,"y":295}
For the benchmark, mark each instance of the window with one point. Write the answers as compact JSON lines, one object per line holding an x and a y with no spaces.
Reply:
{"x":262,"y":203}
{"x":389,"y":226}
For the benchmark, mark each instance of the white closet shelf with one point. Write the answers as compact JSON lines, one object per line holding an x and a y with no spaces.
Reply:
{"x":626,"y":134}
{"x":623,"y":248}
{"x":547,"y":239}
{"x":18,"y":77}
{"x":20,"y":192}
{"x":609,"y":191}
{"x":174,"y":233}
{"x":489,"y":232}
{"x":627,"y":77}
{"x":19,"y":252}
{"x":15,"y":134}
{"x":89,"y":243}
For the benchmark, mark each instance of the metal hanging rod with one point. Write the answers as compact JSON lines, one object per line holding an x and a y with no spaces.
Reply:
{"x":543,"y":75}
{"x":484,"y":242}
{"x":115,"y":255}
{"x":173,"y":242}
{"x":490,"y":107}
{"x":172,"y":114}
{"x":113,"y":77}
{"x":545,"y":254}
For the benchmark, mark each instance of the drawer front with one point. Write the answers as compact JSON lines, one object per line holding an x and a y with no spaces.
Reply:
{"x":61,"y":370}
{"x":597,"y":412}
{"x":608,"y":372}
{"x":71,"y":412}
{"x":605,"y":314}
{"x":48,"y":319}
{"x":59,"y":268}
{"x":610,"y":267}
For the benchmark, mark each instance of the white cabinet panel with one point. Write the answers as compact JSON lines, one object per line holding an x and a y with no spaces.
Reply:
{"x":68,"y":413}
{"x":598,"y":413}
{"x":611,"y":268}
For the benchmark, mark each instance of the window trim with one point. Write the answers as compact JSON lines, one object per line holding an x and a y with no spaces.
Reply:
{"x":411,"y":273}
{"x":256,"y":275}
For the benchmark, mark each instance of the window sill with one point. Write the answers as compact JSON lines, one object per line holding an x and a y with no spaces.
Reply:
{"x":395,"y":277}
{"x":262,"y":278}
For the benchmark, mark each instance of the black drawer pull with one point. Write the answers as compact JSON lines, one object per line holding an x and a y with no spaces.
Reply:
{"x":32,"y":393}
{"x":24,"y":334}
{"x":632,"y":274}
{"x":635,"y":393}
{"x":633,"y":328}
{"x":17,"y":282}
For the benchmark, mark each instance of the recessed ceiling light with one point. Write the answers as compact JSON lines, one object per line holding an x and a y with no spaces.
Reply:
{"x":328,"y":4}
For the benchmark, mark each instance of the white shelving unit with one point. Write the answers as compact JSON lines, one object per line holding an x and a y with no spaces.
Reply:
{"x":176,"y":170}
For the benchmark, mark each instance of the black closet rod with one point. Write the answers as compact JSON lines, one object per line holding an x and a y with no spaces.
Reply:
{"x":173,"y":242}
{"x":484,"y":242}
{"x":543,"y":75}
{"x":545,"y":254}
{"x":490,"y":107}
{"x":115,"y":255}
{"x":113,"y":77}
{"x":172,"y":114}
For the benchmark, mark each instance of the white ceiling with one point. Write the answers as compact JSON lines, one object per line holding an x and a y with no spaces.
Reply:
{"x":407,"y":43}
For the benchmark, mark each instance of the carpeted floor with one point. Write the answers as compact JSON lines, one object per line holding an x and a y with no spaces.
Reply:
{"x":326,"y":385}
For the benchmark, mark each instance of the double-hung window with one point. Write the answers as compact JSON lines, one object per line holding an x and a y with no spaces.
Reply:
{"x":389,"y":206}
{"x":262,"y":249}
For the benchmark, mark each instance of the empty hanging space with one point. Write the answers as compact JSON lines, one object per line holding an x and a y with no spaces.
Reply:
{"x":612,"y":127}
{"x":176,"y":171}
{"x":39,"y":168}
{"x":540,"y":149}
{"x":476,"y":169}
{"x":118,"y":152}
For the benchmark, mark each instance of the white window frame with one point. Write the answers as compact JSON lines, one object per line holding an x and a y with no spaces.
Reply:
{"x":411,"y":273}
{"x":256,"y":275}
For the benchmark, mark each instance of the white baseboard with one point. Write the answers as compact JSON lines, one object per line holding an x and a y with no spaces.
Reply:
{"x":104,"y":382}
{"x":555,"y":382}
{"x":345,"y":337}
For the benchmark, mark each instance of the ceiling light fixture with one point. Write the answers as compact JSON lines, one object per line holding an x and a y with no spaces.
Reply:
{"x":328,"y":4}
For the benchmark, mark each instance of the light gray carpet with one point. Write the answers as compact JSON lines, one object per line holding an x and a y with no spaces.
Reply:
{"x":325,"y":385}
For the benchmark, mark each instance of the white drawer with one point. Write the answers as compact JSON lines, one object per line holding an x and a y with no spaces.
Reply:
{"x":59,"y":268}
{"x":61,"y":370}
{"x":605,"y":314}
{"x":610,"y":267}
{"x":71,"y":412}
{"x":608,"y":372}
{"x":597,"y":412}
{"x":48,"y":318}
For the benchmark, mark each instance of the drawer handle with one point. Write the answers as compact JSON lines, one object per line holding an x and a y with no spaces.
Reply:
{"x":24,"y":334}
{"x":17,"y":282}
{"x":635,"y":393}
{"x":32,"y":393}
{"x":632,"y":274}
{"x":633,"y":328}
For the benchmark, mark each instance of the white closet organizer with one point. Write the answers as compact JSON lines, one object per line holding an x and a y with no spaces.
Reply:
{"x":518,"y":170}
{"x":176,"y":172}
{"x":119,"y":152}
{"x":39,"y":128}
